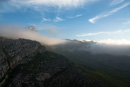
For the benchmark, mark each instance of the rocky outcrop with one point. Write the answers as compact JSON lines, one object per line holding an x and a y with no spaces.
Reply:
{"x":15,"y":52}
{"x":26,"y":63}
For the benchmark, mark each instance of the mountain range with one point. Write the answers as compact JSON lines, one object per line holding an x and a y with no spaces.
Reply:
{"x":26,"y":63}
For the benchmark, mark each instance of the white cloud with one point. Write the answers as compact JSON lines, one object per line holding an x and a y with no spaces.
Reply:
{"x":98,"y":33}
{"x":59,"y":3}
{"x":16,"y":32}
{"x":47,"y":28}
{"x":114,"y":42}
{"x":45,"y":19}
{"x":79,"y":15}
{"x":93,"y":20}
{"x":111,"y":46}
{"x":58,"y":19}
{"x":115,"y":2}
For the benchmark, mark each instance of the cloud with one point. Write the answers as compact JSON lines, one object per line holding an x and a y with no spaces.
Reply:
{"x":114,"y":42}
{"x":114,"y":47}
{"x":52,"y":30}
{"x":109,"y":33}
{"x":59,"y":3}
{"x":79,"y":15}
{"x":93,"y":20}
{"x":45,"y":19}
{"x":49,"y":29}
{"x":16,"y":32}
{"x":115,"y":2}
{"x":58,"y":19}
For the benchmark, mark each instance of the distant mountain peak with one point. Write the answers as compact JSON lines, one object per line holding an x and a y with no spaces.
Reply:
{"x":32,"y":28}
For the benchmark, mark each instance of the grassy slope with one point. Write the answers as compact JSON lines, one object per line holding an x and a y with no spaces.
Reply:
{"x":109,"y":77}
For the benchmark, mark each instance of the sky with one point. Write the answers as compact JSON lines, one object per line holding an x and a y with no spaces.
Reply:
{"x":97,"y":20}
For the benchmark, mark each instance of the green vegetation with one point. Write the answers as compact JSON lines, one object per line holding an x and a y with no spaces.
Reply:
{"x":114,"y":71}
{"x":107,"y":79}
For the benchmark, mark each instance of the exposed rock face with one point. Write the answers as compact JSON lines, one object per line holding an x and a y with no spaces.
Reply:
{"x":15,"y":52}
{"x":25,"y":63}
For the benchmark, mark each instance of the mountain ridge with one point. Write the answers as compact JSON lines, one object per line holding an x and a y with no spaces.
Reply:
{"x":26,"y":63}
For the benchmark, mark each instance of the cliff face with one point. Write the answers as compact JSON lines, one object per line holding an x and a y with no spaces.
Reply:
{"x":15,"y":52}
{"x":26,"y":63}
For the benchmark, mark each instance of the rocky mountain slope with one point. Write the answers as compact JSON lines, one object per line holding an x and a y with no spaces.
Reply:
{"x":26,"y":63}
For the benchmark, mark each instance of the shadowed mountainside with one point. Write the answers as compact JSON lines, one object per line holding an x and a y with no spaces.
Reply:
{"x":26,"y":63}
{"x":114,"y":70}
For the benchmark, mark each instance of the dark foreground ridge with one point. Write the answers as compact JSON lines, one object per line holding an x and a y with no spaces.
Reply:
{"x":26,"y":63}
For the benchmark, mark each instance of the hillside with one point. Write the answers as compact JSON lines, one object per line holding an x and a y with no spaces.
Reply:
{"x":26,"y":63}
{"x":113,"y":70}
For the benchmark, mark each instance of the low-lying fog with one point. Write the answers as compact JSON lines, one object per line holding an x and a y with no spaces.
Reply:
{"x":107,"y":47}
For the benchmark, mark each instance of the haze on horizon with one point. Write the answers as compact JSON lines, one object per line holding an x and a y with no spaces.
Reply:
{"x":105,"y":22}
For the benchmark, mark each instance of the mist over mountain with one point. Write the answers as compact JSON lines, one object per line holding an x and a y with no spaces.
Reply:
{"x":16,"y":32}
{"x":64,"y":43}
{"x":28,"y":63}
{"x":109,"y":62}
{"x":94,"y":47}
{"x":31,"y":33}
